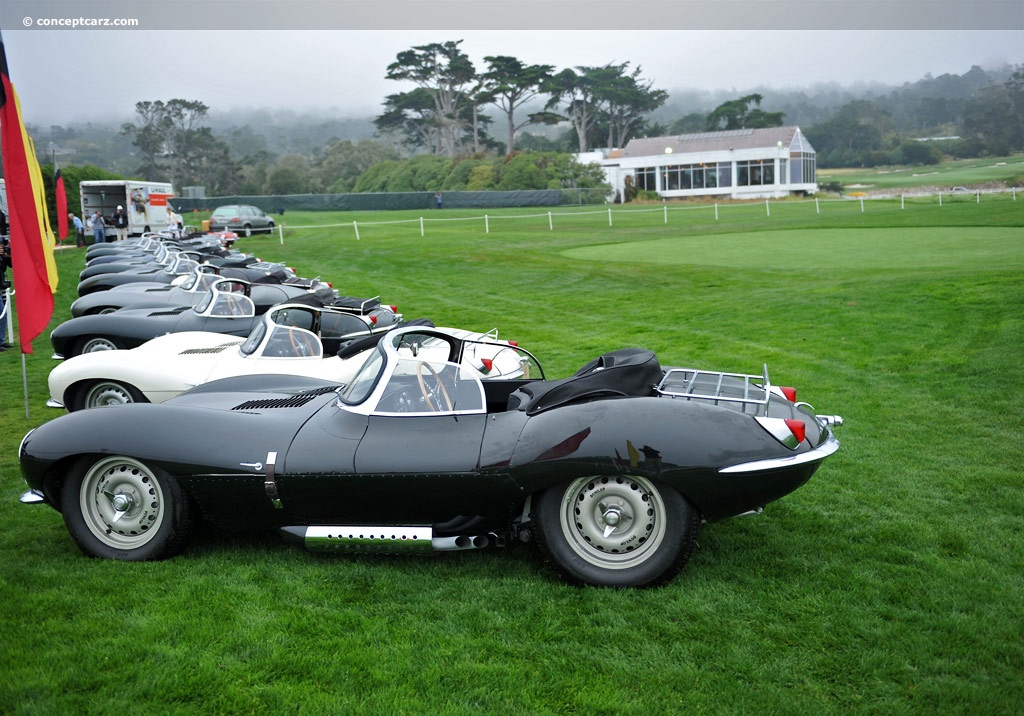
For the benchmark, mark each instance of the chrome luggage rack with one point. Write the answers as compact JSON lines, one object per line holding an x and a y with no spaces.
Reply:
{"x":740,"y":390}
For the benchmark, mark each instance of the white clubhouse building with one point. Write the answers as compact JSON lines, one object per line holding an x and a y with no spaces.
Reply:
{"x":736,"y":163}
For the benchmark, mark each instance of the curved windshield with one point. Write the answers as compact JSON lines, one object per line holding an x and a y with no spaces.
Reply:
{"x":362,"y":384}
{"x":189,"y":281}
{"x":205,"y":302}
{"x":255,"y":338}
{"x":425,"y":386}
{"x":291,"y":342}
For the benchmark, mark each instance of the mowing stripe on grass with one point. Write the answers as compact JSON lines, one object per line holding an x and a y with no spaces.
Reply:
{"x":973,"y":248}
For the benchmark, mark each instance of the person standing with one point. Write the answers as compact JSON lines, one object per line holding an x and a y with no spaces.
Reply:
{"x":5,"y":262}
{"x":437,"y":200}
{"x":79,"y":230}
{"x":120,"y":224}
{"x":99,"y":229}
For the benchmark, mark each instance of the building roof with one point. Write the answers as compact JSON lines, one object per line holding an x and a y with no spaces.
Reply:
{"x":791,"y":137}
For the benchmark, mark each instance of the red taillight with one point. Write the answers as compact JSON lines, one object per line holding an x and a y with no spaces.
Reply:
{"x":798,"y":428}
{"x":790,"y":394}
{"x":488,"y":364}
{"x":394,"y":308}
{"x":373,"y":320}
{"x":514,"y":343}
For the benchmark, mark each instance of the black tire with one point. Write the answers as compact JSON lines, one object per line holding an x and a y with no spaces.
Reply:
{"x":100,"y":393}
{"x":117,"y":507}
{"x":270,"y":227}
{"x":94,"y":344}
{"x":617,"y":531}
{"x":247,"y":230}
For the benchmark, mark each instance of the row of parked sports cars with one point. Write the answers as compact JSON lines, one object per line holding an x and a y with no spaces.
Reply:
{"x":202,"y":383}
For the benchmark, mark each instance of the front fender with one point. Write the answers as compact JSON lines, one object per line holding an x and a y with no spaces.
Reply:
{"x":182,"y":441}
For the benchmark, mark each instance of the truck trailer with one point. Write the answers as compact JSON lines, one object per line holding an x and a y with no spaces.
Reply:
{"x":145,"y":202}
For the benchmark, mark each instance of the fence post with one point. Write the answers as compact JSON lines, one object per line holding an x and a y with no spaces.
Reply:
{"x":354,"y":226}
{"x":666,"y":213}
{"x":421,"y":228}
{"x":767,"y":209}
{"x":716,"y":211}
{"x":487,"y":224}
{"x":609,"y":217}
{"x":817,"y":206}
{"x":940,"y":198}
{"x":979,"y":197}
{"x":862,"y":205}
{"x":280,"y":233}
{"x":903,"y":203}
{"x":551,"y":224}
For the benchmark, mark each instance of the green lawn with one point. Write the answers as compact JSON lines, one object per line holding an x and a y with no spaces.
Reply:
{"x":960,"y":172}
{"x":892,"y":583}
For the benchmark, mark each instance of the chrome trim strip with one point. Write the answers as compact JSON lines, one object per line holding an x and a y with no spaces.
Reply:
{"x":828,"y":447}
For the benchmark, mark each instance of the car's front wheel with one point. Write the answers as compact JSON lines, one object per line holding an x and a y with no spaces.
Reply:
{"x":270,"y":227}
{"x":95,"y":344}
{"x":616,"y":531}
{"x":117,"y":507}
{"x":247,"y":230}
{"x":98,"y":393}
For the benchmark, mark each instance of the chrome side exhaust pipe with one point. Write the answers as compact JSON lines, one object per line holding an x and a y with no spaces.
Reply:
{"x":378,"y":539}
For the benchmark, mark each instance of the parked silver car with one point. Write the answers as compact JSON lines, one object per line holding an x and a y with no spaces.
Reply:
{"x":243,"y":219}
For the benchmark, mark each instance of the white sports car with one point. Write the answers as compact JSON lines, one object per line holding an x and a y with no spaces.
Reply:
{"x":289,"y":340}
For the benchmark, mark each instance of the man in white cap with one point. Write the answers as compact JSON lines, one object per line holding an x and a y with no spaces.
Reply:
{"x":120,"y":224}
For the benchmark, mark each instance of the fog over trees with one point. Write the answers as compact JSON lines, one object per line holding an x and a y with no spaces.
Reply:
{"x":485,"y":118}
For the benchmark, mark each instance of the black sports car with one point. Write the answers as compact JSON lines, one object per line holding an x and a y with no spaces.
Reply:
{"x":224,"y":308}
{"x":179,"y":264}
{"x":229,"y":306}
{"x":109,"y":264}
{"x":612,"y":469}
{"x":189,"y":290}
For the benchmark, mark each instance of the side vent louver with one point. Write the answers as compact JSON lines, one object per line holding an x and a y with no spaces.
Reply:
{"x":288,"y":401}
{"x":210,"y":350}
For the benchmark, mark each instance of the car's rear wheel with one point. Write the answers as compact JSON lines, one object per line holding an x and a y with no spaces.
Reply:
{"x":95,"y":344}
{"x":616,"y":531}
{"x":117,"y":507}
{"x":98,"y":393}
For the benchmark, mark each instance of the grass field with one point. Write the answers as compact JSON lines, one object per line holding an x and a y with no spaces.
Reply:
{"x":960,"y":172}
{"x":892,"y":583}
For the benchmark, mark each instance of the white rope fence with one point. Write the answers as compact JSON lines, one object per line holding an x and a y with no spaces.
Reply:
{"x":664,"y":210}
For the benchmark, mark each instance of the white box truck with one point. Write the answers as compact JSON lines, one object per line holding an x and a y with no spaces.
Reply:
{"x":145,"y":202}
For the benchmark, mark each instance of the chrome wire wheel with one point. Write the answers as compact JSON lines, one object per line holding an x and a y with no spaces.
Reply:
{"x":107,"y":393}
{"x":613,"y":522}
{"x":122,"y":503}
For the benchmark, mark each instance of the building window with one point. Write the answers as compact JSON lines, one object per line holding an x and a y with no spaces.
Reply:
{"x":803,"y":166}
{"x":783,"y":170}
{"x":647,"y":178}
{"x":756,"y":172}
{"x":809,"y":161}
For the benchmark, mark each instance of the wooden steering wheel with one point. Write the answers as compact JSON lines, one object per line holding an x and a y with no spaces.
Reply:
{"x":301,"y":343}
{"x":426,"y":391}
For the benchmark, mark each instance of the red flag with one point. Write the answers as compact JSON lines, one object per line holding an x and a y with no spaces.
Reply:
{"x":35,"y":274}
{"x":62,"y":205}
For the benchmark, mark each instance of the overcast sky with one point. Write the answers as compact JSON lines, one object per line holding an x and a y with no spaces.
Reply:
{"x":332,"y":56}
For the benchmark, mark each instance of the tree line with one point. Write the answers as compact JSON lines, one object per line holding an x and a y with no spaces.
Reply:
{"x":475,"y":125}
